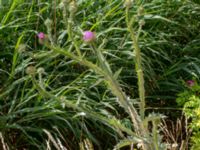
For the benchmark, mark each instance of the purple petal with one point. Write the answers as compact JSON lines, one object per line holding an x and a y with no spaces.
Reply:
{"x":41,"y":35}
{"x":88,"y":36}
{"x":190,"y":83}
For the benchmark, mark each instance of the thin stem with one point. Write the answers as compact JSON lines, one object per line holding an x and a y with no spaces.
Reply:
{"x":138,"y":68}
{"x":55,"y":19}
{"x":155,"y":135}
{"x":103,"y":63}
{"x":138,"y":65}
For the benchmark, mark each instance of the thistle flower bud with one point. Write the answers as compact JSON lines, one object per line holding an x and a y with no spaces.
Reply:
{"x":142,"y":22}
{"x":40,"y":70}
{"x":128,"y":3}
{"x":42,"y":37}
{"x":72,"y":7}
{"x":190,"y":83}
{"x":30,"y":70}
{"x":49,"y":24}
{"x":140,"y":11}
{"x":22,"y":48}
{"x":64,"y":4}
{"x":88,"y":36}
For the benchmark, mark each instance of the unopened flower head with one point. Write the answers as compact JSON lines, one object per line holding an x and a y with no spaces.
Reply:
{"x":142,"y":22}
{"x":41,"y":70}
{"x":22,"y":48}
{"x":128,"y":3}
{"x":190,"y":83}
{"x":89,"y":36}
{"x":31,"y":70}
{"x":73,"y":7}
{"x":140,"y":11}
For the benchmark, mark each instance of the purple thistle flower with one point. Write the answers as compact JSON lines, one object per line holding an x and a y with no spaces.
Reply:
{"x":41,"y":35}
{"x":190,"y":83}
{"x":88,"y":36}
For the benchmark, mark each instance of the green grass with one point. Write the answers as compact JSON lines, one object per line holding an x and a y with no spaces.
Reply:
{"x":46,"y":110}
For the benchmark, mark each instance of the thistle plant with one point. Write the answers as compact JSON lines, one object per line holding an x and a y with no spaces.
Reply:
{"x":147,"y":143}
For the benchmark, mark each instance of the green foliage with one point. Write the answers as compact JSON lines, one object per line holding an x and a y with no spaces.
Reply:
{"x":188,"y":94}
{"x":190,"y":99}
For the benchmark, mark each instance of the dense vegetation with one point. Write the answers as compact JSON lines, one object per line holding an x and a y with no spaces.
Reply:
{"x":59,"y":92}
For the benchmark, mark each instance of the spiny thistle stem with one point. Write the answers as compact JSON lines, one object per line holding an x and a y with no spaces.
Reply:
{"x":114,"y":85}
{"x":138,"y":65}
{"x":103,"y":63}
